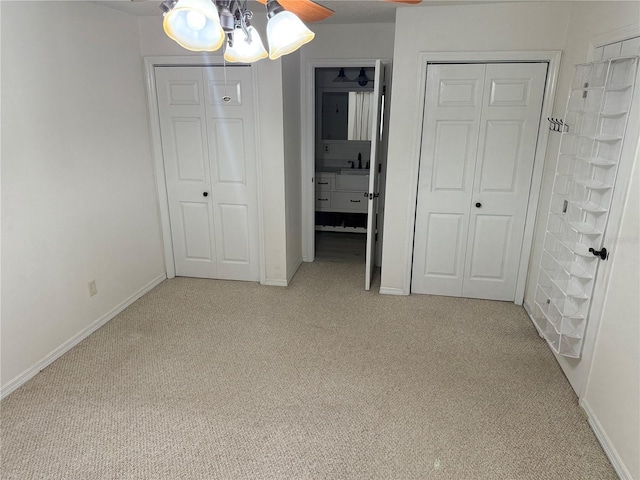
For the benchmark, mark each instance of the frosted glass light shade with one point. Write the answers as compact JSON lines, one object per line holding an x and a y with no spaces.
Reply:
{"x":286,"y":33}
{"x":194,"y":25}
{"x":243,"y":51}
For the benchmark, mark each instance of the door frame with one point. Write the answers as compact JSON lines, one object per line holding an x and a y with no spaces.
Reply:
{"x":552,"y":58}
{"x":308,"y":141}
{"x":158,"y":158}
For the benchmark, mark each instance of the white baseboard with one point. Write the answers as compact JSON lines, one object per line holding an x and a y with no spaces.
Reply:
{"x":602,"y":437}
{"x":283,"y":283}
{"x":29,"y":373}
{"x":529,"y":310}
{"x":392,"y":291}
{"x":274,"y":283}
{"x":606,"y":444}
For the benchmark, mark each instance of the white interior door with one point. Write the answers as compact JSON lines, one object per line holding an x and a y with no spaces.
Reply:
{"x":208,"y":143}
{"x":445,"y":183}
{"x":511,"y":107}
{"x":479,"y":139}
{"x":372,"y":207}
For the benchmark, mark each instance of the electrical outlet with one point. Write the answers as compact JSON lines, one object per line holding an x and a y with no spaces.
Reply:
{"x":326,"y":149}
{"x":93,"y":290}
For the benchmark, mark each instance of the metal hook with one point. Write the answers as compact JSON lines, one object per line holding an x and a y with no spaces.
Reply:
{"x":557,"y":125}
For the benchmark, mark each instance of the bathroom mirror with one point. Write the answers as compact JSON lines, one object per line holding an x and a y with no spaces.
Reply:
{"x":346,"y":115}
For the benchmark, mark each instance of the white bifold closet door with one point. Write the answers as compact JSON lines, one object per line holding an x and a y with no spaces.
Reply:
{"x":207,"y":126}
{"x":479,"y":138}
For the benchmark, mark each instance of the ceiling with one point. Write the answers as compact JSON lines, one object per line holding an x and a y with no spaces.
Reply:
{"x":347,"y":11}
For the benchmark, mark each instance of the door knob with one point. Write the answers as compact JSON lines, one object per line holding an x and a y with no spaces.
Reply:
{"x":204,"y":194}
{"x":478,"y":205}
{"x":603,"y":254}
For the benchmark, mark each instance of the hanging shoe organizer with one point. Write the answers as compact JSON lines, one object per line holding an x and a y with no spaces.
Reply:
{"x":597,"y":113}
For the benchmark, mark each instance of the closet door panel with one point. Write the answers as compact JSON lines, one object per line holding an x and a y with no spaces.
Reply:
{"x":232,"y":152}
{"x":188,"y":142}
{"x":502,"y":143}
{"x":511,"y":110}
{"x":195,"y":228}
{"x":228,"y":151}
{"x":447,"y":162}
{"x":442,"y":231}
{"x":453,"y":141}
{"x":236,"y":239}
{"x":490,"y":243}
{"x":187,"y":170}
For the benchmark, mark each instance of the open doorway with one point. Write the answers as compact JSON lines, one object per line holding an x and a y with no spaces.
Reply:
{"x":347,"y":106}
{"x":342,"y":131}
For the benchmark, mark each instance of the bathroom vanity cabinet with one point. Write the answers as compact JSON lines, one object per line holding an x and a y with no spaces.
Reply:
{"x":341,"y":200}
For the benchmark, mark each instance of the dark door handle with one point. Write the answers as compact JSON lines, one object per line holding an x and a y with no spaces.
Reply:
{"x":603,"y":254}
{"x":478,"y":205}
{"x":204,"y":194}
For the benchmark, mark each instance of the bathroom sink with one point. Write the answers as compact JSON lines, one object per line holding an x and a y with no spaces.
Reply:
{"x":354,"y":171}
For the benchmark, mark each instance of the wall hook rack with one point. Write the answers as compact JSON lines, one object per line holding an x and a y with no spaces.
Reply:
{"x":557,"y":125}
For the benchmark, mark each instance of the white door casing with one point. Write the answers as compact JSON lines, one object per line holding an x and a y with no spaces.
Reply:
{"x":372,"y":207}
{"x":479,"y":140}
{"x":208,"y":147}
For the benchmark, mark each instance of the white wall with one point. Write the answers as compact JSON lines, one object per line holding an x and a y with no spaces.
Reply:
{"x":78,"y":192}
{"x":292,"y":159}
{"x":499,"y":27}
{"x":361,"y":41}
{"x":270,"y":102}
{"x":154,"y":42}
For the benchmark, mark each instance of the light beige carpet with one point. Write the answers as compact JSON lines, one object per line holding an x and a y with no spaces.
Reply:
{"x":206,"y":379}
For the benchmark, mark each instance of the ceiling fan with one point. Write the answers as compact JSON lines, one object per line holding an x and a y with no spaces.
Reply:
{"x":207,"y":25}
{"x":311,"y":11}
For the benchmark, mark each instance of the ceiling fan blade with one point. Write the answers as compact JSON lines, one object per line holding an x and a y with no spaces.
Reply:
{"x":412,"y":2}
{"x":307,"y":10}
